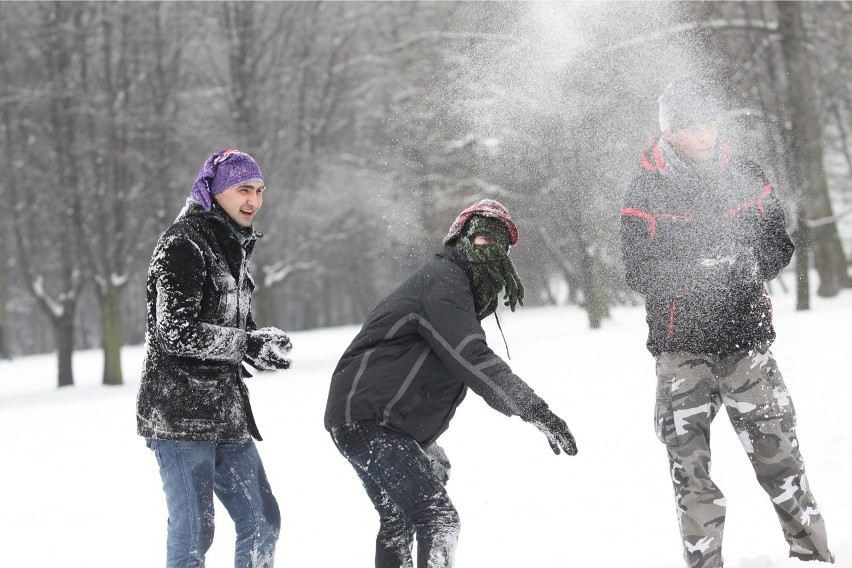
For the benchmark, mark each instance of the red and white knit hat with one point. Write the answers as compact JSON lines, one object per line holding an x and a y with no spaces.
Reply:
{"x":484,"y":208}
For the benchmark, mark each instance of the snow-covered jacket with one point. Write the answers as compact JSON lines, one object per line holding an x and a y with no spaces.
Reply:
{"x":199,"y":309}
{"x":682,"y":228}
{"x":420,"y":349}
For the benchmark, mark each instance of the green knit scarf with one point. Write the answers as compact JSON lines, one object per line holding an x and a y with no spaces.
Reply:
{"x":492,"y":268}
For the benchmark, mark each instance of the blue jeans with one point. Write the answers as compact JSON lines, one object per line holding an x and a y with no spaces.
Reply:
{"x":408,"y":495}
{"x":192,"y":472}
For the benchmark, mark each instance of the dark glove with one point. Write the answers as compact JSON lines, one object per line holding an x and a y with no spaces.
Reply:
{"x":745,"y":270}
{"x":439,"y":461}
{"x":557,"y":432}
{"x":266,"y":349}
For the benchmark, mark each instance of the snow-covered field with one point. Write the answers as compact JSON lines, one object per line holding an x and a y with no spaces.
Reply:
{"x":81,"y":490}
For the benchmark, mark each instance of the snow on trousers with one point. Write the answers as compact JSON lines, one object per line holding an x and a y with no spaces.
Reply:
{"x":406,"y":490}
{"x":192,"y":473}
{"x":690,"y":390}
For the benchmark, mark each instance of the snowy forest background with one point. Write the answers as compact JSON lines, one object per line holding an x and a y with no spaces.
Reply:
{"x":374,"y":124}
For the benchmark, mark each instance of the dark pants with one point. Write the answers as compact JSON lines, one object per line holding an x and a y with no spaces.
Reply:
{"x":408,"y":495}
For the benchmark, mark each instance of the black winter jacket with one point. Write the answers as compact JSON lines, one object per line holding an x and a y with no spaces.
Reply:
{"x":199,"y":309}
{"x":675,"y":215}
{"x":420,"y":349}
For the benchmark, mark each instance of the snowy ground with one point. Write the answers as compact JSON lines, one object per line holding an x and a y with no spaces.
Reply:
{"x":81,"y":489}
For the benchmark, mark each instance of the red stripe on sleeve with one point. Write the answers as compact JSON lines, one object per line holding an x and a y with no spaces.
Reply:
{"x":642,"y":215}
{"x":658,"y":158}
{"x":733,"y":210}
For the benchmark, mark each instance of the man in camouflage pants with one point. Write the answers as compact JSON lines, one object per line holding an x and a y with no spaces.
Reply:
{"x":702,"y":231}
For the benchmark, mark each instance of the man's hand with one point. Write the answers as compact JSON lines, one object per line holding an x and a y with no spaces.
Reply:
{"x":730,"y":265}
{"x":439,"y":461}
{"x":266,"y":349}
{"x":557,"y":433}
{"x":745,"y":270}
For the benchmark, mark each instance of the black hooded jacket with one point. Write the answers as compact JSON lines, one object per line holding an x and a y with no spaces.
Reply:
{"x":678,"y":220}
{"x":420,"y":349}
{"x":199,"y":309}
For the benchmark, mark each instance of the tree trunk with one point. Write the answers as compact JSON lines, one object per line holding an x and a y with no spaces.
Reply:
{"x":594,"y":296}
{"x":63,"y":330}
{"x":264,"y":306}
{"x":829,"y":259}
{"x":4,"y":293}
{"x":113,"y":339}
{"x":801,"y":238}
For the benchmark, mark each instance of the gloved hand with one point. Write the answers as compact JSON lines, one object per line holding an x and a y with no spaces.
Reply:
{"x":557,"y":432}
{"x":745,"y":270}
{"x":728,"y":266}
{"x":439,"y":461}
{"x":266,"y":349}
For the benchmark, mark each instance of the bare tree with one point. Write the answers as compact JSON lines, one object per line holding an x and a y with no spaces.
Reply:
{"x":829,"y":259}
{"x":127,"y":71}
{"x":46,"y":237}
{"x":374,"y":123}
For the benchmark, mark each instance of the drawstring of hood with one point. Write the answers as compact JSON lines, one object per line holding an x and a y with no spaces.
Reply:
{"x":491,"y":269}
{"x":500,"y":327}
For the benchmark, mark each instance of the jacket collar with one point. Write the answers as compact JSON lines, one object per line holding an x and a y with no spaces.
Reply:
{"x":458,"y":258}
{"x":237,"y":243}
{"x":221,"y":223}
{"x":663,"y":158}
{"x":455,"y":256}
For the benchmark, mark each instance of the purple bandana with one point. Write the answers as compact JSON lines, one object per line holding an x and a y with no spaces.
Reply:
{"x":222,"y":171}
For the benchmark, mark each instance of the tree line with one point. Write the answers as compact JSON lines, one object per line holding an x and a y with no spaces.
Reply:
{"x":374,"y":124}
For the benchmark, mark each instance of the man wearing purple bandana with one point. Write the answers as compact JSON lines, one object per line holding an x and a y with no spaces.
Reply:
{"x":193,"y":406}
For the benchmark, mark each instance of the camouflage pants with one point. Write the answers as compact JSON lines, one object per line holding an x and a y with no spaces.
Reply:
{"x":690,"y":390}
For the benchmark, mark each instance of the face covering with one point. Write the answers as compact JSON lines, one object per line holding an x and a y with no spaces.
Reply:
{"x":492,"y":271}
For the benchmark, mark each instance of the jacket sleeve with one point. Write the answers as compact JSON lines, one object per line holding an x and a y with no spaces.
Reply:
{"x":648,"y":266}
{"x":774,"y":248}
{"x":449,"y":325}
{"x":180,"y":272}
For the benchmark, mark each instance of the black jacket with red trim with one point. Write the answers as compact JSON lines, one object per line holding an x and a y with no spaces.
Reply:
{"x":699,"y":240}
{"x":420,"y":349}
